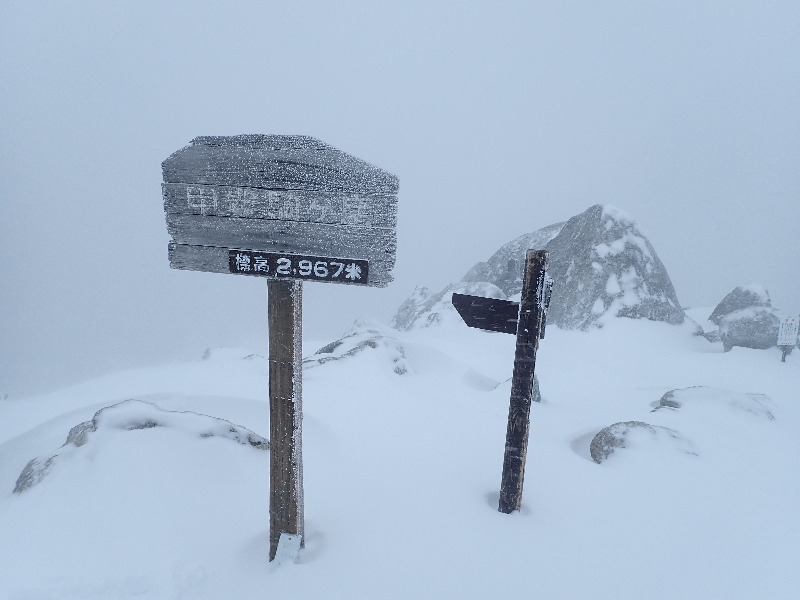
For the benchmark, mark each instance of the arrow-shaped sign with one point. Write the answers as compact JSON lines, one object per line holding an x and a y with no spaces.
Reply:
{"x":487,"y":313}
{"x":493,"y":314}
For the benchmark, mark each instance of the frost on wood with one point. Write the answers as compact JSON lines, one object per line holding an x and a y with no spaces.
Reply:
{"x":286,"y":409}
{"x":132,"y":415}
{"x":290,"y":195}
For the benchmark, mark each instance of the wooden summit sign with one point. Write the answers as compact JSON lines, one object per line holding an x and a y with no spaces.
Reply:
{"x":290,"y":209}
{"x":284,"y":196}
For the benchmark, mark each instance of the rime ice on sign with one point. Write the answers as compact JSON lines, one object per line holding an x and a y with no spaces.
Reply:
{"x":291,"y":209}
{"x":288,"y":196}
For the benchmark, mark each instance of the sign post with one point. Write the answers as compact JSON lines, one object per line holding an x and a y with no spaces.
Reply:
{"x":291,"y":209}
{"x":527,"y":319}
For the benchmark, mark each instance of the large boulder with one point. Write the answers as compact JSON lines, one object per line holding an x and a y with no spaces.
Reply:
{"x":754,"y":327}
{"x":424,"y":309}
{"x":602,"y":265}
{"x":505,"y":267}
{"x":743,"y":296}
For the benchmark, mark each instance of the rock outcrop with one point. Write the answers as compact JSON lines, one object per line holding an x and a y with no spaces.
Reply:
{"x":603,"y":266}
{"x":743,"y":296}
{"x":755,"y":327}
{"x":366,"y":335}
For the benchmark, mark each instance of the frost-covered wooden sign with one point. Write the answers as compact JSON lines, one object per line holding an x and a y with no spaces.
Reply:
{"x":317,"y":213}
{"x":291,"y":209}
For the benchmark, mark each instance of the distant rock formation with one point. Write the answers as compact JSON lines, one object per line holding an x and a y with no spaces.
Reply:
{"x":755,"y":327}
{"x":505,"y":267}
{"x":743,"y":296}
{"x":132,"y":415}
{"x":601,"y":264}
{"x":424,"y":309}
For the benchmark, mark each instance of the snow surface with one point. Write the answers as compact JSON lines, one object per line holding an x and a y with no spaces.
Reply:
{"x":402,"y":474}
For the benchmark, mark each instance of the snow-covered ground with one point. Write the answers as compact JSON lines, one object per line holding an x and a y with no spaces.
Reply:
{"x":402,"y":475}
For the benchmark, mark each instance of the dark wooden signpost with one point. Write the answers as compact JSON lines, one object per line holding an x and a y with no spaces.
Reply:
{"x":527,"y":320}
{"x":291,"y":209}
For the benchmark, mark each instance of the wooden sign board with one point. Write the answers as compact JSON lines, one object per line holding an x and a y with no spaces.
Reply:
{"x":283,"y":196}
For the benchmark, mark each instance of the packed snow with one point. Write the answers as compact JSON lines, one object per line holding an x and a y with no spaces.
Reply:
{"x":402,"y":471}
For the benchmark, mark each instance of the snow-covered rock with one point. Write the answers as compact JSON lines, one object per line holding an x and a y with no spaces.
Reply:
{"x":754,"y":327}
{"x":604,"y":266}
{"x":633,"y":434}
{"x":698,"y":401}
{"x":131,"y":415}
{"x":410,"y":308}
{"x":424,"y":309}
{"x":505,"y":267}
{"x":601,"y":264}
{"x":365,"y":335}
{"x":743,"y":296}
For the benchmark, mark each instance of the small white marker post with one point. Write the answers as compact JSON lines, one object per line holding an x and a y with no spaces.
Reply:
{"x":291,"y":209}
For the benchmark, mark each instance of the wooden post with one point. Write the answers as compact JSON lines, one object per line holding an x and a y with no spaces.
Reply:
{"x":529,"y":329}
{"x":285,"y":410}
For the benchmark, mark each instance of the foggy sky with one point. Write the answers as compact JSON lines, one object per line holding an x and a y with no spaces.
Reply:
{"x":498,"y":118}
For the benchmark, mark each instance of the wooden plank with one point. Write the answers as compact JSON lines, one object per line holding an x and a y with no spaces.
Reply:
{"x":284,"y":306}
{"x":490,"y":314}
{"x":275,"y":162}
{"x":212,"y":259}
{"x":333,"y":208}
{"x":532,"y":308}
{"x":281,"y":236}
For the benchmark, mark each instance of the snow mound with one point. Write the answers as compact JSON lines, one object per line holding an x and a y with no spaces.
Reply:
{"x":131,"y":415}
{"x":637,"y":435}
{"x":709,"y":401}
{"x":366,"y":335}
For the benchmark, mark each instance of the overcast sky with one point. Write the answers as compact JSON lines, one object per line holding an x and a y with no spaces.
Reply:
{"x":498,"y":118}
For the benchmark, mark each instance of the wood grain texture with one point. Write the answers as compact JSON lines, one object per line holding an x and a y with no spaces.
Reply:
{"x":528,"y":332}
{"x":285,"y":411}
{"x":275,"y":162}
{"x":333,"y":208}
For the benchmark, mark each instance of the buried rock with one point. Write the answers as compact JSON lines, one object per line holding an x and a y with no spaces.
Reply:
{"x":702,"y":401}
{"x":132,"y":415}
{"x":635,"y":434}
{"x":366,"y":335}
